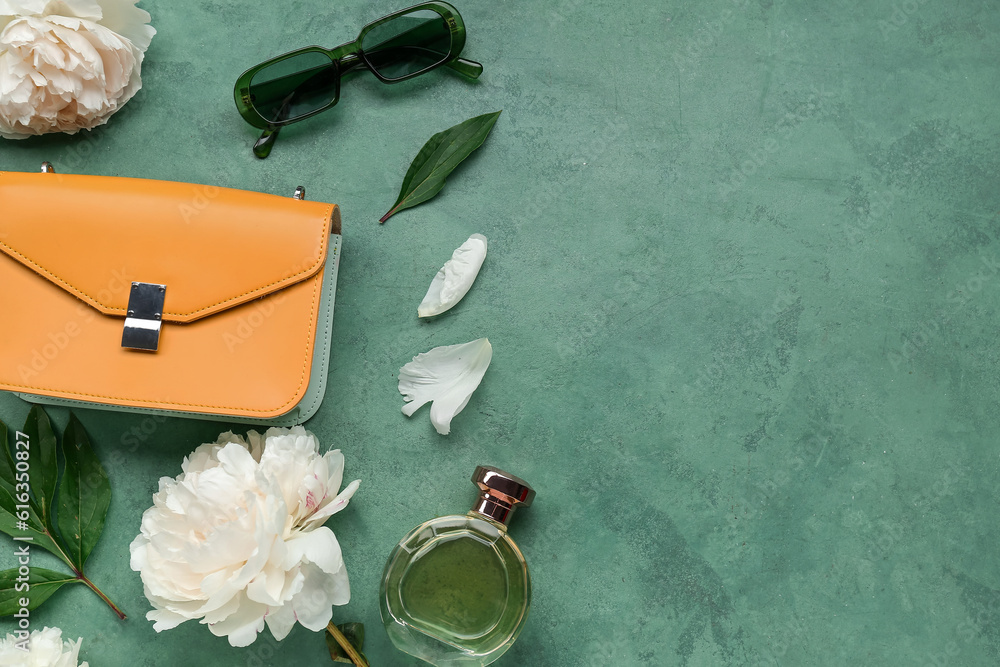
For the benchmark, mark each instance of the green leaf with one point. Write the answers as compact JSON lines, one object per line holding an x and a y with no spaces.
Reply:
{"x":438,"y":158}
{"x":27,"y":513}
{"x":84,"y":495}
{"x":353,"y":633}
{"x":32,"y":527}
{"x":41,"y":583}
{"x":6,"y":461}
{"x":42,"y":463}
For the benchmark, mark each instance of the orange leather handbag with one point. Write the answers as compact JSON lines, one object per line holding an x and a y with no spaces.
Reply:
{"x":163,"y":297}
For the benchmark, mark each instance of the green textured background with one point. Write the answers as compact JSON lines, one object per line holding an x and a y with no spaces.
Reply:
{"x":742,"y":290}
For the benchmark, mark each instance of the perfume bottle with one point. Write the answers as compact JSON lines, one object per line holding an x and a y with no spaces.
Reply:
{"x":456,"y":590}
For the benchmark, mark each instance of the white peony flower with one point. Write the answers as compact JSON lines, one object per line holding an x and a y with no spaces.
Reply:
{"x":45,"y":649}
{"x":237,"y":539}
{"x":447,"y":376}
{"x":455,"y":278}
{"x":67,"y":65}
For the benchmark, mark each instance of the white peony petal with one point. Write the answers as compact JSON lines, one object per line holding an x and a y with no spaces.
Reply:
{"x":335,"y":468}
{"x":129,"y":21}
{"x":242,"y":626}
{"x":447,"y":376}
{"x":331,"y":506}
{"x":281,"y":620}
{"x":84,"y":9}
{"x":164,"y":620}
{"x":320,"y":547}
{"x":455,"y":278}
{"x":314,"y":604}
{"x":275,"y":586}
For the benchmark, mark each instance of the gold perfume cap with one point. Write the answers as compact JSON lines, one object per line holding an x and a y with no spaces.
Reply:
{"x":500,"y":493}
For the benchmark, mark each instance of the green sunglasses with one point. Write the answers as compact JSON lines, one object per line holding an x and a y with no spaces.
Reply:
{"x":306,"y":82}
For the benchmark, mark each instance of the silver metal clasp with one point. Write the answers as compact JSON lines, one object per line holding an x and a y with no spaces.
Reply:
{"x":145,"y":312}
{"x":300,"y":193}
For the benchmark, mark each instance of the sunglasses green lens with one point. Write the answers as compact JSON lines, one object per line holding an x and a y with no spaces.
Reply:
{"x":407,"y":44}
{"x":294,"y":87}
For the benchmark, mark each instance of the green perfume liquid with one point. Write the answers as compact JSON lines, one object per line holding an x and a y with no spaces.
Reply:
{"x":456,"y":590}
{"x":457,"y":585}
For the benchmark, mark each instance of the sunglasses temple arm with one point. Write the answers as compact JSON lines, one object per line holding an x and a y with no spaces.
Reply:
{"x":469,"y":68}
{"x":262,"y":148}
{"x":266,"y":142}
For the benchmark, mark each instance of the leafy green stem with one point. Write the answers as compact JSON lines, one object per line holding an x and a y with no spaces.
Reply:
{"x":345,"y":644}
{"x":78,"y":573}
{"x":100,"y":594}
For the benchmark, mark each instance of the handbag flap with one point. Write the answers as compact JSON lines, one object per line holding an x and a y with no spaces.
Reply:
{"x":213,"y":248}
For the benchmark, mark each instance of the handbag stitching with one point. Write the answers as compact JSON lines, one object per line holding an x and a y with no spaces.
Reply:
{"x":306,"y":363}
{"x":83,"y":295}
